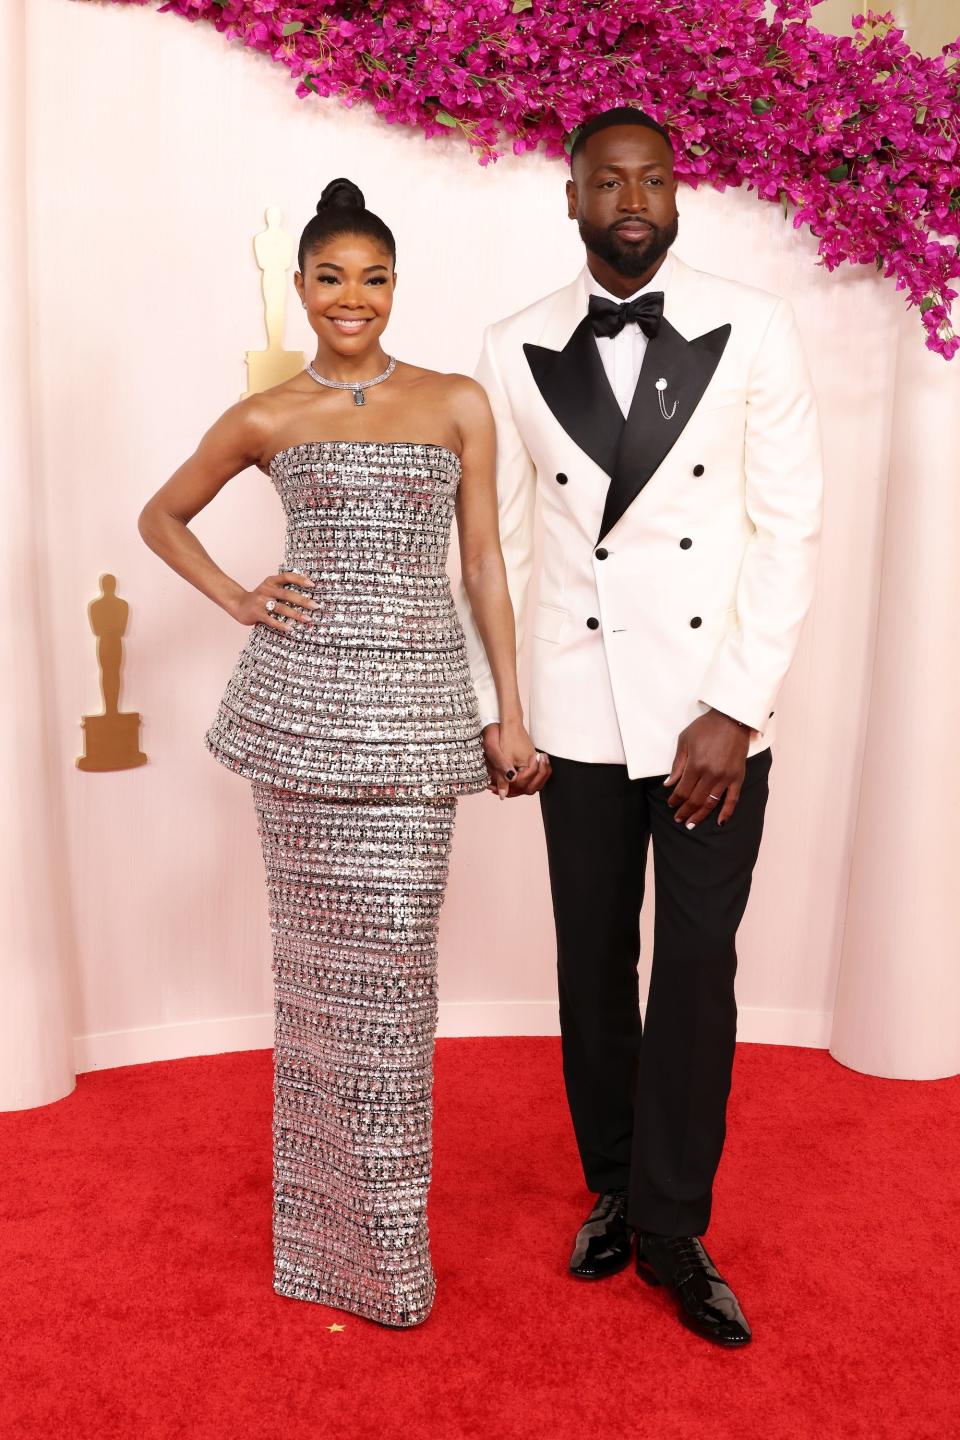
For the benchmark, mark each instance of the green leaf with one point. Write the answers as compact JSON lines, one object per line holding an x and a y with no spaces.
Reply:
{"x":839,"y":172}
{"x":698,"y":149}
{"x":444,"y":119}
{"x":927,"y":303}
{"x":310,"y":82}
{"x":292,"y":27}
{"x":921,"y":114}
{"x":571,"y":139}
{"x":696,"y":94}
{"x":519,"y":5}
{"x":761,"y":106}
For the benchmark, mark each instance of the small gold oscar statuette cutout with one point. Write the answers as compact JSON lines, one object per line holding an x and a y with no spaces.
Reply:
{"x":111,"y":741}
{"x":273,"y":249}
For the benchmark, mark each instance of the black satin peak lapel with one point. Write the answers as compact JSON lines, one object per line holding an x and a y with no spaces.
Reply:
{"x":574,"y":384}
{"x":687,"y":366}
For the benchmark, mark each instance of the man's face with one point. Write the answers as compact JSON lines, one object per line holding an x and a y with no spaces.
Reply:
{"x":623,"y":196}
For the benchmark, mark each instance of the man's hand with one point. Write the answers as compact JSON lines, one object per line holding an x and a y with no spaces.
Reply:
{"x":515,"y":767}
{"x":708,"y":769}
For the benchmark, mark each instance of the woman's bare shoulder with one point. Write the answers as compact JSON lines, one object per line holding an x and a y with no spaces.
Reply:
{"x":266,"y":410}
{"x":450,"y":386}
{"x":247,"y":427}
{"x":470,"y":399}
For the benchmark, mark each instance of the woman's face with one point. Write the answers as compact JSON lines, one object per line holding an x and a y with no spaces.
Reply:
{"x":347,"y":286}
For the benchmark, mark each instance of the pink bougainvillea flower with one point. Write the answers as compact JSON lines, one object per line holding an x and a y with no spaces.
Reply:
{"x":860,"y":135}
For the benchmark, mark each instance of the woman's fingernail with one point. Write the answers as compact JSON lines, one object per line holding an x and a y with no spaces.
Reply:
{"x":691,"y":825}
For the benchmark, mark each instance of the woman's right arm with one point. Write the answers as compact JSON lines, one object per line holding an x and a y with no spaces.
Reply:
{"x":237,"y":440}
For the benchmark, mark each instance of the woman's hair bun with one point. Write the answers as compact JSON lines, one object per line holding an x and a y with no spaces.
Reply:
{"x":343,"y":211}
{"x":341,"y":192}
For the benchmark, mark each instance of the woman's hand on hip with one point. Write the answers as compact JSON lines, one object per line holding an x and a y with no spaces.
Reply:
{"x":271,"y":603}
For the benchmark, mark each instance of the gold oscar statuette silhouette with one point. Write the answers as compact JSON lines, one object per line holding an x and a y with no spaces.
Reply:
{"x":111,"y":741}
{"x":273,"y":249}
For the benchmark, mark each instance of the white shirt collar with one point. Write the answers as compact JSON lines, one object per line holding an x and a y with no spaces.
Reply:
{"x":660,"y":281}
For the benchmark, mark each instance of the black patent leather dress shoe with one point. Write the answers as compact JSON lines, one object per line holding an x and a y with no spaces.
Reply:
{"x":707,"y":1304}
{"x":605,"y":1240}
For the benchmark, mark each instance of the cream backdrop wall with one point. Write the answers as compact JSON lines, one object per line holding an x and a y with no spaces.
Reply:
{"x":152,"y":149}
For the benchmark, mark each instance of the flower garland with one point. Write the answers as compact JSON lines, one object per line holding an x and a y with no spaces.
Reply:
{"x":861,"y":136}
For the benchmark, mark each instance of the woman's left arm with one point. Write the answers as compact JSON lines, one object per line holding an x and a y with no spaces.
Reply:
{"x":511,"y":754}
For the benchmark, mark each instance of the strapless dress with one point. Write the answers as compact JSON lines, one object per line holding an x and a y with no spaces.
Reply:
{"x":374,"y":698}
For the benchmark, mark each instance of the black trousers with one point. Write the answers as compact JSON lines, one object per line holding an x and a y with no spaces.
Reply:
{"x":648,"y":1102}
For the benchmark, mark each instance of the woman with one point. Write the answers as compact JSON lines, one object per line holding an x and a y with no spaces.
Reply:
{"x":351,"y":711}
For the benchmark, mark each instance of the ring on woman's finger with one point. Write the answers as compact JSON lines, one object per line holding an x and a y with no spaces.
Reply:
{"x":714,"y":797}
{"x":271,"y":606}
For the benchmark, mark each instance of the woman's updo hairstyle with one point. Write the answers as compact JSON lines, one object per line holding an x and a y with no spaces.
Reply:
{"x":341,"y":211}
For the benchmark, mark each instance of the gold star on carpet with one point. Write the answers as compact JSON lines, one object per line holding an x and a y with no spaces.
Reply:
{"x":336,"y":1329}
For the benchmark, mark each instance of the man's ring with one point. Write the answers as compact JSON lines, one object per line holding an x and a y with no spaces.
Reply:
{"x":713,"y":797}
{"x":271,"y":606}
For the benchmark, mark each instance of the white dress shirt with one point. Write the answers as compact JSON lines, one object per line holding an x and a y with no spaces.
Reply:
{"x":622,"y":355}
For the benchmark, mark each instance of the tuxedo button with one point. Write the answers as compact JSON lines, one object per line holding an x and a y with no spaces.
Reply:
{"x":561,"y":478}
{"x":601,"y":554}
{"x":695,"y":623}
{"x":593,"y":623}
{"x":685,"y":543}
{"x":698,"y":469}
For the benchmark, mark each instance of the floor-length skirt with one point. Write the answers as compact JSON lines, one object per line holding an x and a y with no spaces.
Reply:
{"x":355,"y":890}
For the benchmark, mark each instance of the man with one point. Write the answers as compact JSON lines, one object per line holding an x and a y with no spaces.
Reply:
{"x":664,"y":418}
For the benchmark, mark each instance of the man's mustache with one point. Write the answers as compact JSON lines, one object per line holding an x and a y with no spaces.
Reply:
{"x":623,"y":224}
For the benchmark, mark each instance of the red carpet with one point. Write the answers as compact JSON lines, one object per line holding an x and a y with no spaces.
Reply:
{"x":135,"y":1256}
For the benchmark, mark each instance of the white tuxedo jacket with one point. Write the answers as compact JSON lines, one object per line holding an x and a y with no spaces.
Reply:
{"x":679,"y":553}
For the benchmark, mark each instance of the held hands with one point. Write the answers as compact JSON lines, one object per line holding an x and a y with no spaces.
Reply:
{"x":254,"y":607}
{"x":514,"y":765}
{"x":708,"y":769}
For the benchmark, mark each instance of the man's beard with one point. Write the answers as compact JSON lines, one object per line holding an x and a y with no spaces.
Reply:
{"x":629,"y":259}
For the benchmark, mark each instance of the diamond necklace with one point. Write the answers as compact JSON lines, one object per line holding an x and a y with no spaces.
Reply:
{"x":357,"y":386}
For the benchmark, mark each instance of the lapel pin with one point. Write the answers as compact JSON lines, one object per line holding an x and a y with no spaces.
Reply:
{"x":661,"y":387}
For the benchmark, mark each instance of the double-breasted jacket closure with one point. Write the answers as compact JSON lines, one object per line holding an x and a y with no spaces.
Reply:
{"x":679,"y":545}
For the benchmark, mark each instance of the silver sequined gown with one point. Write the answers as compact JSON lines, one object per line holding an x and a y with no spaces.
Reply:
{"x":358,"y":732}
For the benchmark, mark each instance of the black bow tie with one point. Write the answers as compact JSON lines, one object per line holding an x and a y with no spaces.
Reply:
{"x":608,"y":318}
